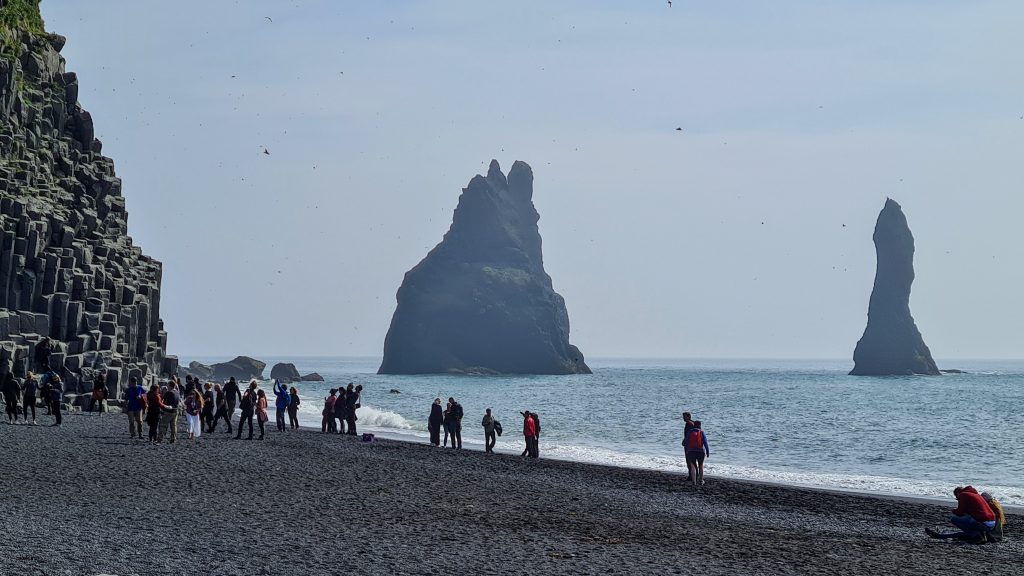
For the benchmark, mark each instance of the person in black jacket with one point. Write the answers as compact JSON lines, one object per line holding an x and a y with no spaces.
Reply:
{"x":248,"y":407}
{"x":29,"y":392}
{"x":220,"y":410}
{"x":231,"y":395}
{"x":456,"y":426}
{"x":434,"y":422}
{"x":208,"y":407}
{"x":351,"y":404}
{"x":12,"y":394}
{"x":341,"y":409}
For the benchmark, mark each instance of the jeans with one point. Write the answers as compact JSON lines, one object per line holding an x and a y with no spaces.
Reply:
{"x":135,"y":423}
{"x":55,"y":410}
{"x":293,"y":417}
{"x":29,"y":402}
{"x":279,"y":419}
{"x":456,"y":434}
{"x":351,"y":424}
{"x":153,"y":422}
{"x":245,"y":417}
{"x":12,"y":408}
{"x":490,"y":439}
{"x":969,"y":527}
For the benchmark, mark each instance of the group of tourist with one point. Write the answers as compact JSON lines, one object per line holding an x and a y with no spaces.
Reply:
{"x":22,"y":396}
{"x":449,"y":420}
{"x":339,"y":413}
{"x":205,"y":405}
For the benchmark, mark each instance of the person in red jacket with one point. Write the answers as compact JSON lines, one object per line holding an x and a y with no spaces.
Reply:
{"x":530,"y":434}
{"x":973,"y":516}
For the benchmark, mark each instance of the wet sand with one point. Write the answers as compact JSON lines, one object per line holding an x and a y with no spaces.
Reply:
{"x":85,"y":499}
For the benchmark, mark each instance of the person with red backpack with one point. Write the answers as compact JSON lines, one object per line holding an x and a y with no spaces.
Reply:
{"x":696,"y":444}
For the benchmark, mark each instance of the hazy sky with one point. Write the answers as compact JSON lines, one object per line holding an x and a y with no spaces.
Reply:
{"x":723,"y":240}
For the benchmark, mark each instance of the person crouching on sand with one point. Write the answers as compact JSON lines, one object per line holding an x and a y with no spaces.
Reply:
{"x":434,"y":422}
{"x":973,"y":517}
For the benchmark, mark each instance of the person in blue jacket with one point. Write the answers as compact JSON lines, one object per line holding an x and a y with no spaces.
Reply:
{"x":135,"y":402}
{"x":281,"y":404}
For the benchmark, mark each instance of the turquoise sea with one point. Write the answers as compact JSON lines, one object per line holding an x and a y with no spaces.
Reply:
{"x":794,"y":421}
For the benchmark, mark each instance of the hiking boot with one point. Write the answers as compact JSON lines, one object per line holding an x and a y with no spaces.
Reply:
{"x":931,"y":533}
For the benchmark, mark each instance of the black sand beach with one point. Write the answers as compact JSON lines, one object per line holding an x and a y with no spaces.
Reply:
{"x":84,"y":499}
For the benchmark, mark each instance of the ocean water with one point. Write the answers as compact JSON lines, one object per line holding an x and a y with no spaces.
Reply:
{"x":795,"y":422}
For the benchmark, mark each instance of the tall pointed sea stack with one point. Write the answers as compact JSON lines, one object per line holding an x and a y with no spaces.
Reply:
{"x":480,"y":302}
{"x":75,"y":295}
{"x":892,"y":343}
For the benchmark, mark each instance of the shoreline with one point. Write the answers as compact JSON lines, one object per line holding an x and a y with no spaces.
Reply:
{"x":290,"y":503}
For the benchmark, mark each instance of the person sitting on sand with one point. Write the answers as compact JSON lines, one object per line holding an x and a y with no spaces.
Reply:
{"x":293,"y":408}
{"x":248,"y":408}
{"x":281,"y":402}
{"x":154,"y":408}
{"x":12,"y":394}
{"x":261,"y":411}
{"x":696,"y":449}
{"x":490,"y":436}
{"x":973,"y":516}
{"x":434,"y":422}
{"x":327,"y":424}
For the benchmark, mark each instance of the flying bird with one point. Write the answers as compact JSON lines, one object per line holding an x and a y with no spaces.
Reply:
{"x":669,"y":3}
{"x":269,"y":18}
{"x":679,"y":129}
{"x":267,"y":152}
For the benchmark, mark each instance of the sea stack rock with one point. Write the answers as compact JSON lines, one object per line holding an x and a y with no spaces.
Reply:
{"x":481,"y":302}
{"x":76,"y":295}
{"x":285,"y":372}
{"x":892,"y":343}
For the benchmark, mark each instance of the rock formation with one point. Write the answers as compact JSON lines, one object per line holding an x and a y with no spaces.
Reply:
{"x":75,"y":294}
{"x":481,"y":302}
{"x":312,"y":377}
{"x":240,"y":368}
{"x":891,"y":343}
{"x":285,"y":372}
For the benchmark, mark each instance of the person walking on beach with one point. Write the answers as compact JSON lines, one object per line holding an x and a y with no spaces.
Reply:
{"x":193,"y":412}
{"x":696,"y":443}
{"x":261,"y":411}
{"x":29,"y":390}
{"x":12,"y":394}
{"x":456,"y":423}
{"x":248,"y":408}
{"x":327,"y":422}
{"x":209,"y":407}
{"x":293,"y":408}
{"x":154,"y":405}
{"x":281,"y":402}
{"x":490,"y":437}
{"x":434,"y":422}
{"x":232,"y":395}
{"x":973,"y":517}
{"x":687,"y":426}
{"x":221,"y":411}
{"x":169,"y":417}
{"x":56,"y":397}
{"x":99,"y":393}
{"x":134,"y":404}
{"x":351,"y":404}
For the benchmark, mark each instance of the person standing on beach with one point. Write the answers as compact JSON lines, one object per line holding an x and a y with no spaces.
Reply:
{"x":687,"y":426}
{"x":231,"y":395}
{"x":209,"y":406}
{"x":341,"y":409}
{"x":446,"y":421}
{"x":193,"y":412}
{"x":12,"y":393}
{"x":490,"y":437}
{"x":99,"y":393}
{"x":351,"y":404}
{"x":973,"y":517}
{"x":536,"y":434}
{"x":456,"y":423}
{"x":221,"y":411}
{"x":169,"y":417}
{"x":434,"y":422}
{"x":261,"y":411}
{"x":154,"y":408}
{"x":293,"y":408}
{"x":281,"y":402}
{"x":248,"y":407}
{"x":529,"y":433}
{"x":28,"y":399}
{"x":134,"y":404}
{"x":44,"y":393}
{"x":696,"y":449}
{"x":56,"y":397}
{"x":327,"y":423}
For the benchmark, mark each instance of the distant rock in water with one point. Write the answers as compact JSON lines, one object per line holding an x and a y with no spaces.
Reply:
{"x":892,"y":343}
{"x":241,"y":368}
{"x":285,"y":372}
{"x":481,"y":302}
{"x":312,"y":377}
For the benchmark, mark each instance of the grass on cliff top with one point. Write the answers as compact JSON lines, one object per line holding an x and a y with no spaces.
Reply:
{"x":21,"y":14}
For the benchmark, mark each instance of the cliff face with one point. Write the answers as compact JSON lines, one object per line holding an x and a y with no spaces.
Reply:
{"x":892,"y":343}
{"x":75,"y":293}
{"x":481,"y":302}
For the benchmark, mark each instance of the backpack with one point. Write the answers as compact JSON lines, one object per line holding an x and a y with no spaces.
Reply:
{"x":457,"y":411}
{"x":695,"y":441}
{"x":497,"y":428}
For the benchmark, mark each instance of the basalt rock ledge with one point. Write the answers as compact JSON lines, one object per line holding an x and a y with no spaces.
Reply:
{"x":480,"y":302}
{"x":892,"y":344}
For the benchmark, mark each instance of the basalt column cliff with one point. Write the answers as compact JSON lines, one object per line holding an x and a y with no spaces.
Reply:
{"x":481,"y":302}
{"x":892,"y":343}
{"x":75,"y":295}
